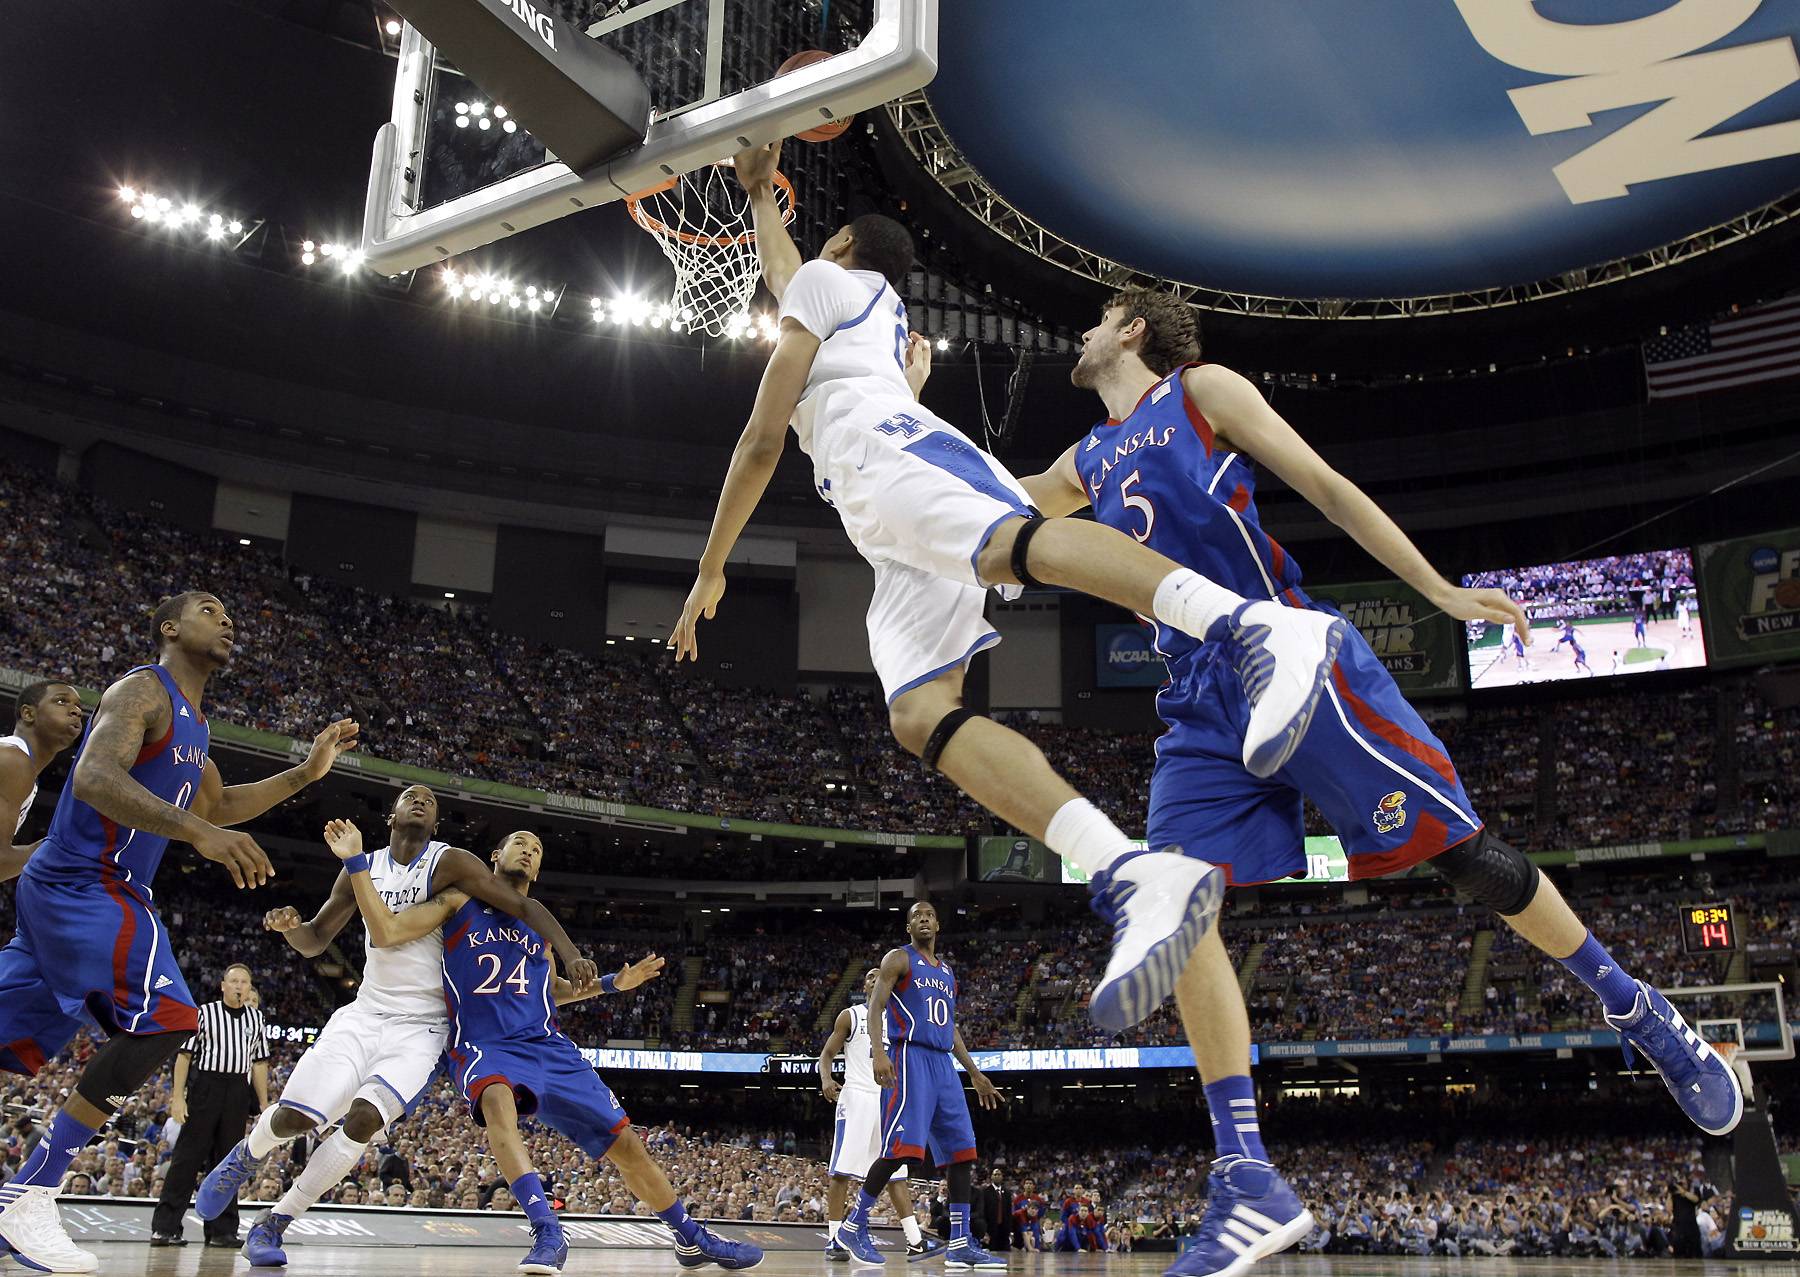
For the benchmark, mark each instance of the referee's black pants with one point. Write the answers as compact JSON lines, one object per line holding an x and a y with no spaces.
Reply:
{"x":218,"y":1107}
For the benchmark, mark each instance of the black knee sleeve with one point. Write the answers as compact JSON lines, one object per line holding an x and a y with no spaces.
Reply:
{"x":960,"y":1177}
{"x":123,"y":1065}
{"x":947,"y":727}
{"x":881,"y":1170}
{"x":1490,"y":871}
{"x":1020,"y":542}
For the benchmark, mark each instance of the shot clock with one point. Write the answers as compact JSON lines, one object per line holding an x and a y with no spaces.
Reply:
{"x":1708,"y":928}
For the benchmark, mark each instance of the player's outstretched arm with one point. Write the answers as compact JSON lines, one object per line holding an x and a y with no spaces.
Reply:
{"x":310,"y":939}
{"x":629,"y":976}
{"x":894,"y":966}
{"x":457,"y":868}
{"x":985,"y":1091}
{"x":752,"y":465}
{"x":386,"y":929}
{"x":1238,"y":412}
{"x":227,"y":805}
{"x":834,"y":1044}
{"x":128,"y":712}
{"x":776,"y":251}
{"x":1058,"y":490}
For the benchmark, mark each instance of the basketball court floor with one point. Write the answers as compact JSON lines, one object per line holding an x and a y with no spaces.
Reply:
{"x":450,"y":1261}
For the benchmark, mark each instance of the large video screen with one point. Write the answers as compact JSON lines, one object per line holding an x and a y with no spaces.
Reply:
{"x":1591,"y":618}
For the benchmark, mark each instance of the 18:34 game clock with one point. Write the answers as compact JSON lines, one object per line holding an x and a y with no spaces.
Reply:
{"x":1708,"y":928}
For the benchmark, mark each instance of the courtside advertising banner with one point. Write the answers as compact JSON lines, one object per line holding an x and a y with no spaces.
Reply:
{"x":1421,"y":646}
{"x":1751,"y":588}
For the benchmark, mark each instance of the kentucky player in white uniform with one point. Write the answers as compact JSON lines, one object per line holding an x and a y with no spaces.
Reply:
{"x":377,"y":1055}
{"x":46,"y":722}
{"x":940,"y":522}
{"x":856,"y":1130}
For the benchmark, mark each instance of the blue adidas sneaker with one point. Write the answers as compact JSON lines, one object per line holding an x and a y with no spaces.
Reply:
{"x":965,"y":1255}
{"x":1701,"y":1082}
{"x":710,"y":1248}
{"x":262,"y":1244}
{"x":1160,"y":904}
{"x":549,"y":1249}
{"x":1251,"y":1213}
{"x":220,"y":1187}
{"x":855,"y":1239}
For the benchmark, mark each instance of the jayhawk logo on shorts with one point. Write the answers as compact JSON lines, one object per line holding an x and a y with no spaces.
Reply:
{"x":1390,"y":813}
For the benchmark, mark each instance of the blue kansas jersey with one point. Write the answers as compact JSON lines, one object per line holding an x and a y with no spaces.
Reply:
{"x":1158,"y":476}
{"x":496,"y":977}
{"x":922,"y":1010}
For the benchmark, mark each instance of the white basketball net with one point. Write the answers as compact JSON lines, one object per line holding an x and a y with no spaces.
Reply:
{"x":702,"y":223}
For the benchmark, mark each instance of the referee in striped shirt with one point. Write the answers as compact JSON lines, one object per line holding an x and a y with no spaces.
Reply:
{"x":219,"y":1071}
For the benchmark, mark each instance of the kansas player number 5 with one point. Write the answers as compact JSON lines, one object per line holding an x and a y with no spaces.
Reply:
{"x":1137,"y":502}
{"x":491,"y":981}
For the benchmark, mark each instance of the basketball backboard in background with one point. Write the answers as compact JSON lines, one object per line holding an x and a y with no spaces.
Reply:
{"x":438,"y":188}
{"x":1753,"y":1016}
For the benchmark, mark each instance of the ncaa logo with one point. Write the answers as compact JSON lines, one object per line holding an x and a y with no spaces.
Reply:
{"x":1127,"y":650}
{"x":1764,"y":558}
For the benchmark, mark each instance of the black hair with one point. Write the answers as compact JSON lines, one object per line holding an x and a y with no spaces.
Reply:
{"x":32,"y":695}
{"x":882,"y":244}
{"x":170,"y":609}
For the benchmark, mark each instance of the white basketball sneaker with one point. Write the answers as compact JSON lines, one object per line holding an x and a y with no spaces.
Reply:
{"x":1160,"y":904}
{"x":1284,"y":655}
{"x":31,"y":1229}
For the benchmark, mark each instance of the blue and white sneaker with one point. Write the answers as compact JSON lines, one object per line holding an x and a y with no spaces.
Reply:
{"x":1701,"y":1082}
{"x":710,"y":1248}
{"x":1284,"y":656}
{"x":965,"y":1254}
{"x":262,"y":1244}
{"x":1251,"y":1213}
{"x":1160,"y":904}
{"x":549,"y":1249}
{"x":220,"y":1187}
{"x":861,"y":1247}
{"x":924,"y":1248}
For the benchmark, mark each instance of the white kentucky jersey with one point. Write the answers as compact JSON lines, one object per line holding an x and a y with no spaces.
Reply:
{"x":18,"y":742}
{"x":406,"y":979}
{"x":859,"y":1069}
{"x":861,"y":325}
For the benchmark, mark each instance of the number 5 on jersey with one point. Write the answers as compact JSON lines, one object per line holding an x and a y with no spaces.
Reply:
{"x":1137,"y":501}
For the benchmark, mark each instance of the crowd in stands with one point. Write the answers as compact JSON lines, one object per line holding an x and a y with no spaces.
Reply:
{"x":446,"y":689}
{"x":1619,"y":583}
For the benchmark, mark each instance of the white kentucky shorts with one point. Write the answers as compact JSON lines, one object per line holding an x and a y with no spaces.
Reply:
{"x":856,"y":1137}
{"x":919,"y":501}
{"x":384,"y":1059}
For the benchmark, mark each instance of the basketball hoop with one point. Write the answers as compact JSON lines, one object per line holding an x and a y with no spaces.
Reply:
{"x":702,"y":223}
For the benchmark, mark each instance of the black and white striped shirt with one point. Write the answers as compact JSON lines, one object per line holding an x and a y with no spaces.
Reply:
{"x":228,"y":1041}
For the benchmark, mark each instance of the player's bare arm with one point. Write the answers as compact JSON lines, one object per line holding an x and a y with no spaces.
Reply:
{"x":386,"y":928}
{"x":17,"y":775}
{"x":133,"y":713}
{"x":775,"y":248}
{"x":310,"y":939}
{"x":1239,"y":413}
{"x":1058,"y":490}
{"x":752,"y":465}
{"x":226,"y":805}
{"x":894,"y":966}
{"x":629,"y":976}
{"x":457,"y":868}
{"x":985,"y":1091}
{"x":834,"y":1046}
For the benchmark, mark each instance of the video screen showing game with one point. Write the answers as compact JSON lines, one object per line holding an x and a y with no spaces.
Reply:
{"x":1591,"y":618}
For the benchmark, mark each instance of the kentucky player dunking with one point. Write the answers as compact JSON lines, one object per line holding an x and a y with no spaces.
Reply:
{"x":508,"y":1056}
{"x":1173,"y":466}
{"x":924,"y":1108}
{"x":91,"y":947}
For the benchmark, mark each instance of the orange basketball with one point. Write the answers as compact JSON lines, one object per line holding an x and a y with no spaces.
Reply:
{"x":831,"y":128}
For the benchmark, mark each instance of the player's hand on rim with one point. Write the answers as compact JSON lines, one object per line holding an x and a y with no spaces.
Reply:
{"x":246,"y":862}
{"x":702,"y":601}
{"x":644,"y":969}
{"x":1487,"y":605}
{"x":344,"y":839}
{"x":756,"y":165}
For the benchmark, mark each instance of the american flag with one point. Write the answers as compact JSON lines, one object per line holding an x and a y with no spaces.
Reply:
{"x":1761,"y":343}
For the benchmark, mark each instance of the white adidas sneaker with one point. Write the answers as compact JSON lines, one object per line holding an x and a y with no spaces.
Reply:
{"x":1161,"y":904}
{"x":1283,"y":655}
{"x":33,"y":1231}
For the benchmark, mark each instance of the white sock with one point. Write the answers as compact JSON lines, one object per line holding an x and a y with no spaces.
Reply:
{"x":262,"y":1139}
{"x":1081,"y":834}
{"x":910,"y":1227}
{"x":831,"y":1228}
{"x":330,"y":1162}
{"x":1191,"y":603}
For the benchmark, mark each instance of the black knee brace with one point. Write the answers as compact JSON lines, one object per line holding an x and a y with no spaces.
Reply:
{"x":947,"y":727}
{"x":123,"y":1065}
{"x":1491,"y":871}
{"x":959,"y":1180}
{"x":1032,"y":525}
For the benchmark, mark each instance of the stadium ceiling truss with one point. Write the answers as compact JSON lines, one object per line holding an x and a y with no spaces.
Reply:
{"x":924,"y":136}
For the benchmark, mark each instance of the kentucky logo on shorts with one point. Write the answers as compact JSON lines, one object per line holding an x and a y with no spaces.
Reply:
{"x":1390,"y":812}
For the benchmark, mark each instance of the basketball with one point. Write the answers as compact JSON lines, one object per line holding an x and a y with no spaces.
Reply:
{"x":831,"y":128}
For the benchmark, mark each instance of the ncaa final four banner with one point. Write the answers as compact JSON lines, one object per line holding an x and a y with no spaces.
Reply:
{"x":1421,"y":646}
{"x":1752,"y":592}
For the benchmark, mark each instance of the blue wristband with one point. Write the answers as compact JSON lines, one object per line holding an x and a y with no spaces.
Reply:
{"x":357,"y":864}
{"x":609,"y":983}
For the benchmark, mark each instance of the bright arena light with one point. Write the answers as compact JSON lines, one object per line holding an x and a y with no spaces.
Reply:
{"x":499,"y":113}
{"x":127,"y":194}
{"x":392,"y":26}
{"x":510,"y":127}
{"x":484,"y":123}
{"x":943,"y":343}
{"x":462,"y":121}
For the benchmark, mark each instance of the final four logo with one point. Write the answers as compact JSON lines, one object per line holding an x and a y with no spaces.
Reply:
{"x":1388,"y":624}
{"x":1773,"y":608}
